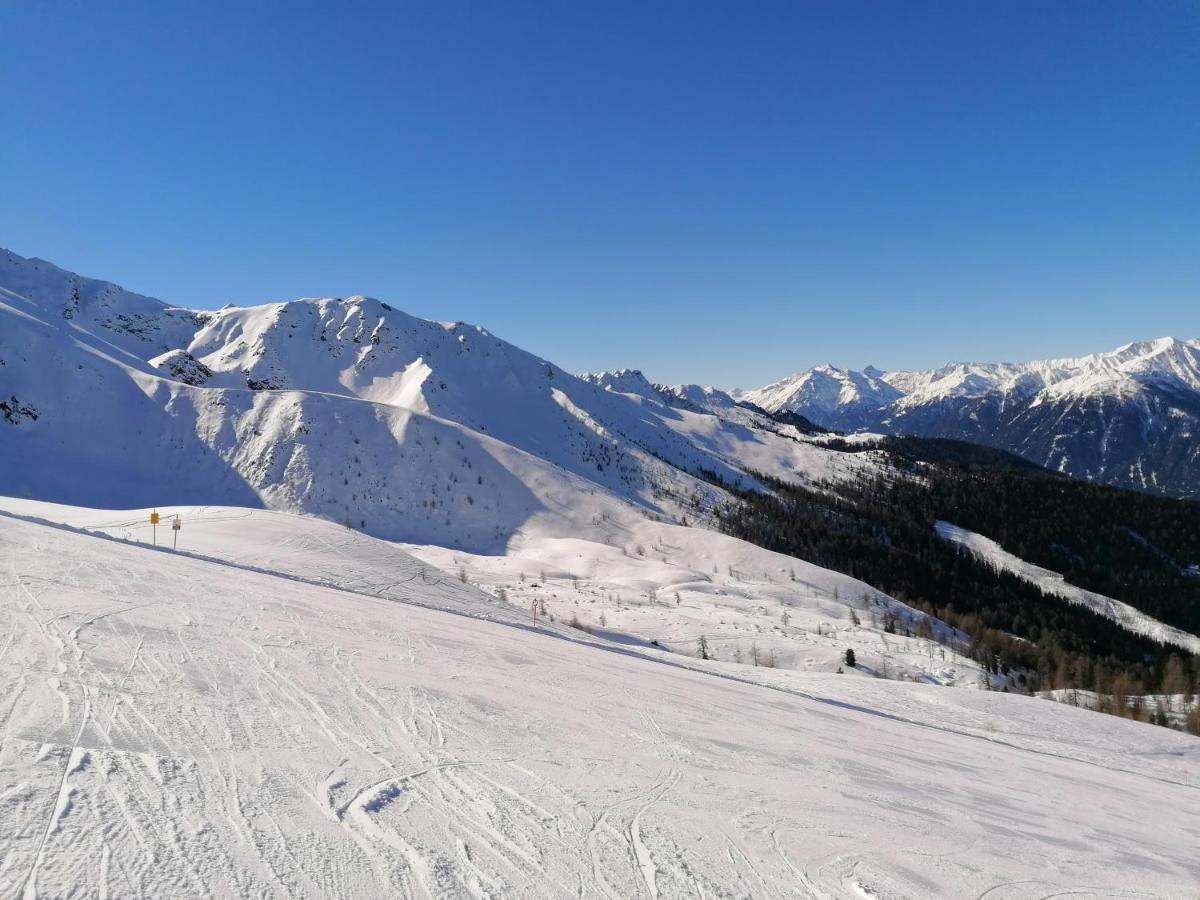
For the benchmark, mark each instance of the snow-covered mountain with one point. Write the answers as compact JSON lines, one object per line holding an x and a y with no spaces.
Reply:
{"x":691,"y":397}
{"x":346,"y":408}
{"x":827,"y":392}
{"x":483,"y":459}
{"x":1129,"y":417}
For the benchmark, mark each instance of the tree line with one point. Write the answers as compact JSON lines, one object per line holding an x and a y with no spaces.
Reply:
{"x":880,"y":529}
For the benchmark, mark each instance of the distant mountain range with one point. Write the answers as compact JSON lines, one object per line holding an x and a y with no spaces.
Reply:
{"x":1129,"y":417}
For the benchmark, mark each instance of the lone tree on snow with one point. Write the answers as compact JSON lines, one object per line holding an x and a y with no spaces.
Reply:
{"x":850,"y":658}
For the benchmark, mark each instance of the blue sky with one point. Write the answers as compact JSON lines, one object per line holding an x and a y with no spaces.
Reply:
{"x":720,"y":193}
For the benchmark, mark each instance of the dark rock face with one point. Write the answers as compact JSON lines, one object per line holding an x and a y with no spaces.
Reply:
{"x":184,"y":367}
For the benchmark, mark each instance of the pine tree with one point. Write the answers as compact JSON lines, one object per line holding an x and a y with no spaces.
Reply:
{"x":1175,"y":679}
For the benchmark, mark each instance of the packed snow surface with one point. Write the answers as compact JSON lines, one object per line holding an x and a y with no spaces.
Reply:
{"x":648,"y":584}
{"x":251,"y":719}
{"x":1053,"y":583}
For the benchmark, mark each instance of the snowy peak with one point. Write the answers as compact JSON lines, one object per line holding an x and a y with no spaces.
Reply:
{"x":829,"y":389}
{"x":1164,"y":347}
{"x":1121,"y":373}
{"x":350,"y":409}
{"x":694,"y":397}
{"x":823,"y":391}
{"x":623,"y":381}
{"x":331,"y":345}
{"x":97,"y":312}
{"x":55,"y":291}
{"x":1127,"y":416}
{"x":1167,"y":357}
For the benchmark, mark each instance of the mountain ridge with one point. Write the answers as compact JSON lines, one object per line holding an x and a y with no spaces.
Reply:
{"x":1127,"y":416}
{"x":262,"y":405}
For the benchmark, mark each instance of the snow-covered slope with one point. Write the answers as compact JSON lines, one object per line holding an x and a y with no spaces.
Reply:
{"x":1130,"y":416}
{"x":348,"y":409}
{"x":631,"y":579}
{"x":1053,"y":583}
{"x":300,"y":547}
{"x":688,"y":396}
{"x":184,"y":726}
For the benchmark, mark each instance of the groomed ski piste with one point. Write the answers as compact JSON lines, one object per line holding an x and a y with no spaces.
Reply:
{"x":289,"y":708}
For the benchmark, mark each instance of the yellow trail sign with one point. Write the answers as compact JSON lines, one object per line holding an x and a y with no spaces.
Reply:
{"x":153,"y":518}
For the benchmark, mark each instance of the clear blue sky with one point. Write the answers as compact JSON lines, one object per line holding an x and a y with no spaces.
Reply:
{"x":720,"y":193}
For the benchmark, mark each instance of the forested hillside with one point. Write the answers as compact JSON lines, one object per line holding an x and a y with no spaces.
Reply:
{"x":1131,"y":546}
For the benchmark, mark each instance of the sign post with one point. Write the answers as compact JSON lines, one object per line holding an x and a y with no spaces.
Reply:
{"x":175,"y":526}
{"x":154,"y":527}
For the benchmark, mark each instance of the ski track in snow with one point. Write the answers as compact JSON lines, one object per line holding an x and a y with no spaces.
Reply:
{"x":178,"y":726}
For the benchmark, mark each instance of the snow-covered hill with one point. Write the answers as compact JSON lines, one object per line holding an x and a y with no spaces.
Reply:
{"x":1129,"y":417}
{"x":1053,"y":583}
{"x":349,"y":409}
{"x":254,"y":721}
{"x":629,"y":579}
